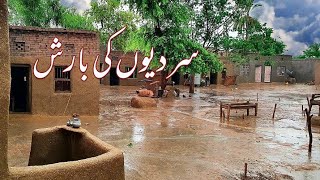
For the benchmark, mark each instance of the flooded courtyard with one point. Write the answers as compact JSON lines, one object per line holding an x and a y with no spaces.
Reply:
{"x":185,"y":138}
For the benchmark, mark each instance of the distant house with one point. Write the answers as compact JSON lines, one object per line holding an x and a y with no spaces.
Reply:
{"x":59,"y":93}
{"x":256,"y":71}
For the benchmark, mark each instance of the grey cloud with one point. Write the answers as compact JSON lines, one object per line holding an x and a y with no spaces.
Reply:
{"x":295,"y":22}
{"x":80,"y":5}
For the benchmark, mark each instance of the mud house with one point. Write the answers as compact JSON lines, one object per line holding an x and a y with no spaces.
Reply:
{"x":127,"y":63}
{"x":58,"y":93}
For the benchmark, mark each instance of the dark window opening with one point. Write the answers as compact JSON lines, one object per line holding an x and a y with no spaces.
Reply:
{"x":133,"y":75}
{"x":62,"y":80}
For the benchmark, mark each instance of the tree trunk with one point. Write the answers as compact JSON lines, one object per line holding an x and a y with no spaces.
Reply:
{"x":5,"y":81}
{"x":191,"y":86}
{"x":163,"y":79}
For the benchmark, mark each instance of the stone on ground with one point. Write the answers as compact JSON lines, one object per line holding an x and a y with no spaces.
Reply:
{"x":145,"y":93}
{"x":143,"y":102}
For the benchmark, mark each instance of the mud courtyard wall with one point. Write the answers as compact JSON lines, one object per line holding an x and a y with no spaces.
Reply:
{"x":246,"y":73}
{"x":317,"y":73}
{"x":304,"y":70}
{"x":27,"y":44}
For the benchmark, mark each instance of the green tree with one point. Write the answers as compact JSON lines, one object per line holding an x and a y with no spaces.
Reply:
{"x":110,"y":17}
{"x":167,"y":30}
{"x":73,"y":20}
{"x":253,"y":37}
{"x":14,"y":16}
{"x":244,"y":24}
{"x":212,"y":20}
{"x":40,"y":13}
{"x":313,"y":51}
{"x":259,"y":43}
{"x":46,"y":13}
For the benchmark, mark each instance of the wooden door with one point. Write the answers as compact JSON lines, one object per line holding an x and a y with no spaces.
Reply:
{"x":258,"y":74}
{"x":267,"y":74}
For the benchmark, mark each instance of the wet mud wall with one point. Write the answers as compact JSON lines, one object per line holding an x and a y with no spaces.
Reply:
{"x":4,"y":88}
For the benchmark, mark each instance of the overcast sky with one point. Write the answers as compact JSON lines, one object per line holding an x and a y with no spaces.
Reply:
{"x":295,"y":22}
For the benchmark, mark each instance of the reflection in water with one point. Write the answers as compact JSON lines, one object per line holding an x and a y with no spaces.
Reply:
{"x":137,"y":133}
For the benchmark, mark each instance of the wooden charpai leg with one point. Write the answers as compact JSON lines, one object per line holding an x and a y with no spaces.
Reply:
{"x":228,"y":112}
{"x":256,"y":109}
{"x":220,"y":109}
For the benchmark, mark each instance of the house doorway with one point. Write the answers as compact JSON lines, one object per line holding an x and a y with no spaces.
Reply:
{"x":267,"y":74}
{"x":20,"y":88}
{"x":114,"y":79}
{"x":258,"y":74}
{"x":213,"y":78}
{"x":176,"y":78}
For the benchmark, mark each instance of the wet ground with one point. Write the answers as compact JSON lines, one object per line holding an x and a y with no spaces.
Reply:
{"x":184,"y":138}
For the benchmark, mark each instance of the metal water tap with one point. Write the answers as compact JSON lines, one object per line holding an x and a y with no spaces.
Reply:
{"x":75,"y":121}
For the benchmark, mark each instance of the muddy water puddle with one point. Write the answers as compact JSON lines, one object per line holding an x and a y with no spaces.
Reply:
{"x":185,"y":138}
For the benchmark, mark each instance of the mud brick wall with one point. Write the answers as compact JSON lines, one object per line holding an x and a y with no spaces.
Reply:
{"x":127,"y":60}
{"x":4,"y":88}
{"x":304,"y":70}
{"x":27,"y":44}
{"x":317,"y":73}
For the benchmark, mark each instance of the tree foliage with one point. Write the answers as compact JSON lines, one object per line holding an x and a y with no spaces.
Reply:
{"x":110,"y":17}
{"x":46,"y":13}
{"x":73,"y":20}
{"x":211,"y":21}
{"x":313,"y":51}
{"x":167,"y":30}
{"x":253,"y":37}
{"x":40,"y":13}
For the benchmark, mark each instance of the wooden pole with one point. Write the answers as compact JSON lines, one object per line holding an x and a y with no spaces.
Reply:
{"x":224,"y":115}
{"x":248,"y":109}
{"x":309,"y":128}
{"x":256,"y":109}
{"x":309,"y":104}
{"x":220,"y":109}
{"x":228,"y":112}
{"x":245,"y":169}
{"x":274,"y":110}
